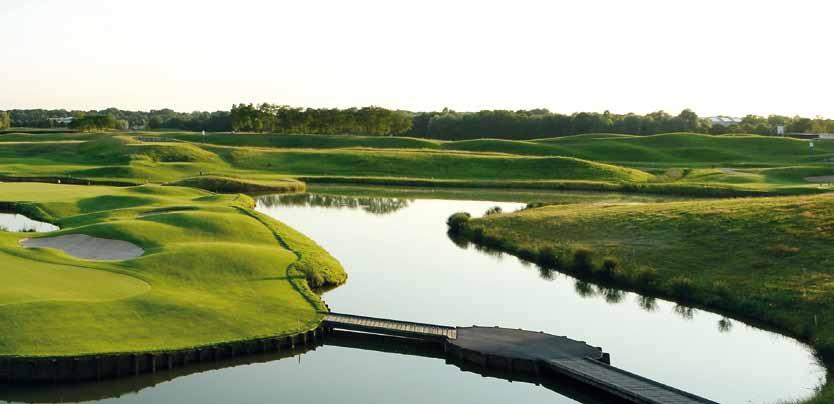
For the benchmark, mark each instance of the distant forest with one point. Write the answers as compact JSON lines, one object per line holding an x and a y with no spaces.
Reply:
{"x":376,"y":121}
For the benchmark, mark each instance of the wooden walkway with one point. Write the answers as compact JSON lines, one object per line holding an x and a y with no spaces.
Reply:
{"x":389,"y":327}
{"x":624,"y":384}
{"x":515,"y":350}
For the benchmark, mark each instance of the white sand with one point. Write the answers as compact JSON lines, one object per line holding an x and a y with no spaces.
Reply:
{"x":87,"y":247}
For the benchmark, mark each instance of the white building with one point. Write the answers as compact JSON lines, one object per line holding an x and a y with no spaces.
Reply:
{"x":61,"y":121}
{"x":724,"y":120}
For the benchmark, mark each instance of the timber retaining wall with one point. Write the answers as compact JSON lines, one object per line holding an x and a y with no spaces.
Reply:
{"x":108,"y":366}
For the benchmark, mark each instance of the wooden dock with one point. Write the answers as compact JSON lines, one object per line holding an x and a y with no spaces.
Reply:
{"x":526,"y":352}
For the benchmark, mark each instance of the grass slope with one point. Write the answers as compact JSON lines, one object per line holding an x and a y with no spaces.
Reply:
{"x":212,"y":273}
{"x":677,"y":163}
{"x":765,"y":259}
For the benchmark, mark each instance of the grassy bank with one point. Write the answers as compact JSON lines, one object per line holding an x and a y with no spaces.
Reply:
{"x":764,"y":259}
{"x":228,"y":185}
{"x":213,"y":271}
{"x":681,"y":164}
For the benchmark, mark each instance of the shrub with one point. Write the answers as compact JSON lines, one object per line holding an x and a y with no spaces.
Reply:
{"x":493,"y":211}
{"x":646,"y":276}
{"x":315,"y":279}
{"x":610,"y":268}
{"x":681,"y":286}
{"x":722,"y":290}
{"x":458,"y":221}
{"x":478,"y":235}
{"x":548,"y":257}
{"x":583,"y":259}
{"x":527,"y":255}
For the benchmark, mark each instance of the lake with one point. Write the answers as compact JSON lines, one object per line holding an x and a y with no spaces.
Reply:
{"x":402,"y":265}
{"x":19,"y":223}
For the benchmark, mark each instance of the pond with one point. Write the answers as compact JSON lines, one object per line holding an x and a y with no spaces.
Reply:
{"x":18,"y":223}
{"x":402,"y":265}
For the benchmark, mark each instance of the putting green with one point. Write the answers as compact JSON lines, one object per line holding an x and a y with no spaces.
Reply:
{"x":25,"y":281}
{"x":213,"y":271}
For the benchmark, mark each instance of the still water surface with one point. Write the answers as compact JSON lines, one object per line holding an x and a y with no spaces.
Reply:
{"x":19,"y":223}
{"x":402,"y":265}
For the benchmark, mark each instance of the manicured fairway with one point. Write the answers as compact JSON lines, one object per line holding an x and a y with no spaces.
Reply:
{"x":213,"y":271}
{"x":677,"y":163}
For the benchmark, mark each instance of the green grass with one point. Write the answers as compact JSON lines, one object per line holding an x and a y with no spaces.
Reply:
{"x":436,"y":165}
{"x":765,"y":259}
{"x":213,"y":271}
{"x":679,"y":163}
{"x":237,"y":185}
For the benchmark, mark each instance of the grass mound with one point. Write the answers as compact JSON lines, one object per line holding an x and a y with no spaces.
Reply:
{"x":209,"y":273}
{"x":463,"y":166}
{"x":307,"y":141}
{"x":229,"y":185}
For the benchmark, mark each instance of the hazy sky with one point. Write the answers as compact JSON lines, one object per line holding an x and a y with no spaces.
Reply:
{"x":727,"y":57}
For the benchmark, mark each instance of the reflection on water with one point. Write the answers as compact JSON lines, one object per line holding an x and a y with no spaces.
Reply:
{"x":402,"y":265}
{"x":375,"y":205}
{"x":305,"y":360}
{"x":405,"y":266}
{"x":18,"y":223}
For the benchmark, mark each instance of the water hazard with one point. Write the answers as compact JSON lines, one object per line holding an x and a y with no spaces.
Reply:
{"x":18,"y":223}
{"x":402,"y":265}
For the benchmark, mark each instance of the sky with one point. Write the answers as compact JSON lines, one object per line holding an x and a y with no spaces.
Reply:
{"x":728,"y":57}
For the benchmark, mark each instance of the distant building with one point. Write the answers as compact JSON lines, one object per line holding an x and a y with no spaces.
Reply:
{"x":61,"y":121}
{"x":724,"y":120}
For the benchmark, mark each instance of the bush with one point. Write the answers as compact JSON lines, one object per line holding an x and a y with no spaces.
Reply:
{"x":458,"y":221}
{"x":315,"y":279}
{"x":610,"y":268}
{"x":583,"y":259}
{"x":548,"y":257}
{"x":722,"y":290}
{"x":646,"y":276}
{"x":681,"y":286}
{"x":493,"y":211}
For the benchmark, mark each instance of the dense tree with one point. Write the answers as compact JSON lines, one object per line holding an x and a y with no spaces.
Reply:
{"x":445,"y":124}
{"x":154,"y":119}
{"x":94,"y":123}
{"x":284,"y":119}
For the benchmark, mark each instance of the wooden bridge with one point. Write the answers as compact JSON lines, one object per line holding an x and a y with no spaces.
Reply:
{"x":389,"y":327}
{"x":526,"y":352}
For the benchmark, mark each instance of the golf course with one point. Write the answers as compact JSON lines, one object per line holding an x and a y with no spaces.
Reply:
{"x":160,"y":246}
{"x":208,"y":270}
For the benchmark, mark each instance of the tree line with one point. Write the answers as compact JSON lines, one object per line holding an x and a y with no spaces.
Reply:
{"x":376,"y":121}
{"x":541,"y":123}
{"x":217,"y":121}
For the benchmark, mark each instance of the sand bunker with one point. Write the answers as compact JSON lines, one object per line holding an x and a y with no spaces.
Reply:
{"x":87,"y":247}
